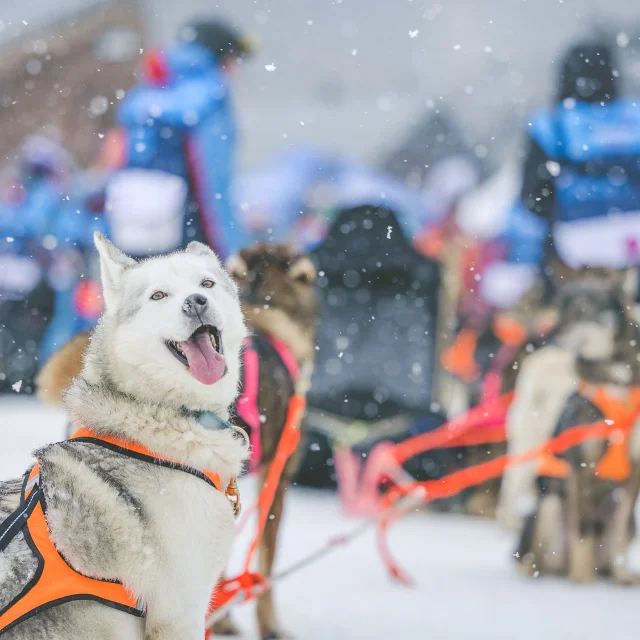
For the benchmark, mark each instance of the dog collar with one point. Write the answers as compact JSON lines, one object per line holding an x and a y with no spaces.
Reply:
{"x":206,"y":419}
{"x":210,"y":420}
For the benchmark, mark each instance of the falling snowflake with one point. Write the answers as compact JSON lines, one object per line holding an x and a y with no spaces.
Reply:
{"x":457,"y":47}
{"x":389,"y":230}
{"x":553,"y":168}
{"x":270,"y":67}
{"x":16,"y":386}
{"x":414,"y":34}
{"x":622,"y":40}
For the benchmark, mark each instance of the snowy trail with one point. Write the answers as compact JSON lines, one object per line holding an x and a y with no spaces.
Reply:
{"x":467,"y":582}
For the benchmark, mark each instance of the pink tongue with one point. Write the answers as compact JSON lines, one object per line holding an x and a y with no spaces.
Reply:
{"x":205,"y":363}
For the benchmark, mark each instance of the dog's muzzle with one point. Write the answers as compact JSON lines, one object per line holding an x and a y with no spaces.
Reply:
{"x":194,"y":305}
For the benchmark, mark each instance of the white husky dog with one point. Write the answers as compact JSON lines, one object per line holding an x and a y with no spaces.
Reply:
{"x":165,"y":353}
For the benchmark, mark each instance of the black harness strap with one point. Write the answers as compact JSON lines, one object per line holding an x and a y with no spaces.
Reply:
{"x":12,"y":525}
{"x":145,"y":458}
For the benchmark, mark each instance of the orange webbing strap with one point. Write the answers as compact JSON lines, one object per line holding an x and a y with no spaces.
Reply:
{"x":553,"y":467}
{"x":249,"y":585}
{"x":133,"y":447}
{"x":360,"y":492}
{"x":459,"y":358}
{"x":485,"y":420}
{"x":459,"y":480}
{"x":289,"y":441}
{"x":509,"y":331}
{"x":236,"y":590}
{"x":482,"y":435}
{"x":57,"y":582}
{"x":431,"y":243}
{"x":615,"y":465}
{"x":456,"y":482}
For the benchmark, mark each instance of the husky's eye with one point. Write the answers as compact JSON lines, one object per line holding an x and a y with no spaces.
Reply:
{"x":158,"y":295}
{"x":207,"y":284}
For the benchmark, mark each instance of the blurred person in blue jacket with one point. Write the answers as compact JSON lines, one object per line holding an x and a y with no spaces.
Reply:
{"x":46,"y":247}
{"x":580,"y":197}
{"x":33,"y":193}
{"x":179,"y":132}
{"x":72,"y":270}
{"x":31,"y":199}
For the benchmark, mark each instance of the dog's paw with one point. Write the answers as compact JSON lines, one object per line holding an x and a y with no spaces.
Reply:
{"x":582,"y":560}
{"x":225,"y":627}
{"x":528,"y":565}
{"x":582,"y":575}
{"x":481,"y":503}
{"x":625,"y":577}
{"x":275,"y":635}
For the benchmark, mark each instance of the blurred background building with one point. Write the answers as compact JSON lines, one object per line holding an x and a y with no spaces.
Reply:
{"x":350,"y":75}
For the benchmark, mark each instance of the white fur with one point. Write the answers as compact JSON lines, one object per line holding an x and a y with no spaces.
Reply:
{"x":547,"y":379}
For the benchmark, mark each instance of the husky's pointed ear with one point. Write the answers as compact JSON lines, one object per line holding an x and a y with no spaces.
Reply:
{"x":201,"y":249}
{"x":112,"y":265}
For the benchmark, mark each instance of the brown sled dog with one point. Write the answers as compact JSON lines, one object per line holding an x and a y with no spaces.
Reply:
{"x":277,"y":290}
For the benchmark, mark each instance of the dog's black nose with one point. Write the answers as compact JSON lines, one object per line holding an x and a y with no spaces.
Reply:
{"x":194,"y":304}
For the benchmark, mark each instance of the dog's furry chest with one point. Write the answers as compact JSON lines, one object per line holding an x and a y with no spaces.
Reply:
{"x":115,"y":517}
{"x":205,"y":516}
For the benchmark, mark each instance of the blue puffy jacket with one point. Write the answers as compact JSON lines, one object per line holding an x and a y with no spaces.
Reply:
{"x":69,"y":272}
{"x":587,"y":200}
{"x":182,"y":124}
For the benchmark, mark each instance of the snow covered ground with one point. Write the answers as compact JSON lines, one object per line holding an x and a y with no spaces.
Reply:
{"x":467,"y":584}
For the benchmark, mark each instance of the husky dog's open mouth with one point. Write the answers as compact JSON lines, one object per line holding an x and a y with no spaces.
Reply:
{"x":201,"y":354}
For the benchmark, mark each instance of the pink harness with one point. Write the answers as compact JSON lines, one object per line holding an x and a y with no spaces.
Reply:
{"x":247,"y":405}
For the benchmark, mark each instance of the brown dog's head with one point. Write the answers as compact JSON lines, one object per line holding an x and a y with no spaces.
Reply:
{"x":595,"y":320}
{"x":277,"y":291}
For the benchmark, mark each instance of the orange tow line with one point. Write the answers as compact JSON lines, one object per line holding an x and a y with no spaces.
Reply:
{"x":248,"y":584}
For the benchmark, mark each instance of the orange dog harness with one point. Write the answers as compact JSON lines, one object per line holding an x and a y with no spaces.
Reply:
{"x":623,"y":412}
{"x":459,"y":358}
{"x":55,"y":581}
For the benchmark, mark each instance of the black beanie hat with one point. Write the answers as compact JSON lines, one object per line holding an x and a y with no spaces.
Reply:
{"x":219,"y":37}
{"x":587,"y":74}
